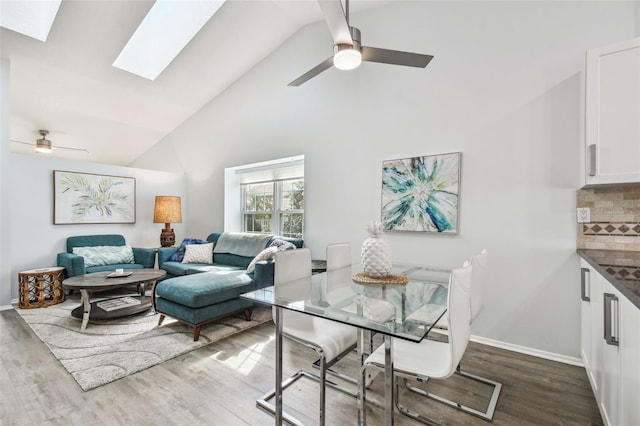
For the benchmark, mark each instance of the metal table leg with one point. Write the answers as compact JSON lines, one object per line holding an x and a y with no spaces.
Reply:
{"x":361,"y":379}
{"x":388,"y":380}
{"x":278,"y":396}
{"x":86,"y":308}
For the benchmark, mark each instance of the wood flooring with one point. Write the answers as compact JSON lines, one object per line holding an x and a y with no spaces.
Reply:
{"x":219,"y":383}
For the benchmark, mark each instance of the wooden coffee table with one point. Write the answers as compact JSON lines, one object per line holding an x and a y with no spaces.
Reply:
{"x":113,"y":306}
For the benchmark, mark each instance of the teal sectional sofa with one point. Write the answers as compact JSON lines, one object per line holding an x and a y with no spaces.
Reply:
{"x":200,"y":293}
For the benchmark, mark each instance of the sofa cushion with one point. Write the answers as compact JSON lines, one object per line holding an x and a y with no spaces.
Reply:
{"x":204,"y":314}
{"x":198,"y":253}
{"x":179,"y":254}
{"x":178,"y":268}
{"x":94,"y":240}
{"x":205,"y":289}
{"x":102,"y":268}
{"x":104,"y":255}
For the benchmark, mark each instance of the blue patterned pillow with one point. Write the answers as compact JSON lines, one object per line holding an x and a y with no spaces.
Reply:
{"x":104,"y":255}
{"x":282,"y":244}
{"x":178,"y":256}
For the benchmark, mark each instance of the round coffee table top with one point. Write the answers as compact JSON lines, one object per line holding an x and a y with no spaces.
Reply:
{"x":100,"y":281}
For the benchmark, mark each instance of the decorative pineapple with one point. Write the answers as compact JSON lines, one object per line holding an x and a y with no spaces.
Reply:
{"x":376,"y":252}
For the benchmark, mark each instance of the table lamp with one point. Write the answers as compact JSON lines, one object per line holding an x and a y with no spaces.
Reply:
{"x":167,"y":210}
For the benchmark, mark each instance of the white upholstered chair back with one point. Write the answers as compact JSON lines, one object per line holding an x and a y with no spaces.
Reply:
{"x":338,"y":256}
{"x":459,"y":313}
{"x":293,"y":266}
{"x":480,"y":263}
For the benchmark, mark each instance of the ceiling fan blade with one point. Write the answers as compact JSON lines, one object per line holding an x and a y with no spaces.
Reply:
{"x":74,"y":149}
{"x":336,"y":20}
{"x":53,"y":147}
{"x":23,"y":143}
{"x":313,"y":72}
{"x":395,"y":57}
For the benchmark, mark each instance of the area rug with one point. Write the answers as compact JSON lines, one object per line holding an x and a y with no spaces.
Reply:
{"x":112,"y":349}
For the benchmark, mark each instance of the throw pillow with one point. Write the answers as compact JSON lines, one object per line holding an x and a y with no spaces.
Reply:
{"x":104,"y":255}
{"x":265,"y":254}
{"x":179,"y":254}
{"x":198,"y":253}
{"x":282,"y":244}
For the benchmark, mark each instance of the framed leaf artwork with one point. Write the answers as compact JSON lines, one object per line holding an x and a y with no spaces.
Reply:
{"x":91,"y":199}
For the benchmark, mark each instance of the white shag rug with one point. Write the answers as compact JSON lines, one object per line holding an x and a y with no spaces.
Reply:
{"x":111,"y":349}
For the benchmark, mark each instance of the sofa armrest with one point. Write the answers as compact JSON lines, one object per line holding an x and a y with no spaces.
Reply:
{"x":164,"y":253}
{"x":145,"y":257}
{"x":264,"y":273}
{"x":73,"y":264}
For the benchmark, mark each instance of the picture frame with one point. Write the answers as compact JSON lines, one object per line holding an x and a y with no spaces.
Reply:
{"x":88,"y":198}
{"x":421,"y":194}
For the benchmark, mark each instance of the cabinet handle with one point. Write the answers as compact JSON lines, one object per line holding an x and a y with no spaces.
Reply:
{"x":592,"y":160}
{"x":584,"y":276}
{"x":611,"y":319}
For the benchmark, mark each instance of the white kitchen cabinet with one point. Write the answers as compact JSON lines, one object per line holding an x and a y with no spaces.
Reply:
{"x":630,"y":362}
{"x":612,"y":114}
{"x":610,"y":348}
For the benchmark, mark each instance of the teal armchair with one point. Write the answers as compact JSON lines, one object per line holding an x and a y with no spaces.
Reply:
{"x":75,"y":265}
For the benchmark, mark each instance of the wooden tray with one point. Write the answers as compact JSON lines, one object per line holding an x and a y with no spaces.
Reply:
{"x":362,"y":278}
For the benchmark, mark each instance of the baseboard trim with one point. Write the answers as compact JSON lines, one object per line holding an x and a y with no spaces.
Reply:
{"x":529,"y":351}
{"x":6,"y":307}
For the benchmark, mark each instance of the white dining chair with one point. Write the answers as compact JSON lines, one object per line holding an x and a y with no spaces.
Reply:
{"x":431,"y":359}
{"x":480,"y":263}
{"x":329,"y":339}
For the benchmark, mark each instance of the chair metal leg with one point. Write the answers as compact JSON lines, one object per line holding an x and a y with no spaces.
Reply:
{"x":263,"y":401}
{"x":414,"y":415}
{"x":485,"y":415}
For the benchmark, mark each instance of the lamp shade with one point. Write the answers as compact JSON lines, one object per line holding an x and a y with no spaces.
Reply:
{"x":167,"y":210}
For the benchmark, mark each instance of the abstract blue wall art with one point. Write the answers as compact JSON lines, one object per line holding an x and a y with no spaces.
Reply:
{"x":421,"y":193}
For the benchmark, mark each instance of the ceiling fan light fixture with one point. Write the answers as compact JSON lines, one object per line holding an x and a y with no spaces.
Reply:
{"x":346,"y":57}
{"x":43,"y":146}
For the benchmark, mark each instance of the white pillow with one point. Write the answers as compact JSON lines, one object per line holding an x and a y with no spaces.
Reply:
{"x":104,"y":255}
{"x":198,"y":253}
{"x":265,"y":254}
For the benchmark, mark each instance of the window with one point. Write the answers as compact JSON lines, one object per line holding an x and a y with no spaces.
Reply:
{"x":274,"y":207}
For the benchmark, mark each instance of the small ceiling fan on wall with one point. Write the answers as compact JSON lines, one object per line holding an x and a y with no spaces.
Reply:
{"x":45,"y":146}
{"x":348,"y":53}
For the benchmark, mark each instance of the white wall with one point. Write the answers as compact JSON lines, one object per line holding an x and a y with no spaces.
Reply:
{"x":35,"y":241}
{"x":5,"y":272}
{"x":504,"y":89}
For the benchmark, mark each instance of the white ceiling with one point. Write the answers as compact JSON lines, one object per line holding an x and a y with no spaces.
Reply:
{"x":68,"y":86}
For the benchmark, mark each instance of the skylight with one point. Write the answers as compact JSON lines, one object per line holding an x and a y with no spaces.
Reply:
{"x":31,"y":18}
{"x":163,"y":33}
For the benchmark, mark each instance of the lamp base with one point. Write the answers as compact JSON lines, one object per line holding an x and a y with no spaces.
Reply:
{"x":167,"y":237}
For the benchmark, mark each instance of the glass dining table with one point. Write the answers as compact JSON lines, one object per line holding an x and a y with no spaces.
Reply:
{"x":392,"y":310}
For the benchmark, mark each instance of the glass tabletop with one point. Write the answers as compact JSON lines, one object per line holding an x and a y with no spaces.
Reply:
{"x":407,"y":311}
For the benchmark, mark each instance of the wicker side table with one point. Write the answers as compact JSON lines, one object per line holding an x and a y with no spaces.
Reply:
{"x":39,"y":288}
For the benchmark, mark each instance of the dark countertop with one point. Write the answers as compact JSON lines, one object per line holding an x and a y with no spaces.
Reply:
{"x":620,"y":268}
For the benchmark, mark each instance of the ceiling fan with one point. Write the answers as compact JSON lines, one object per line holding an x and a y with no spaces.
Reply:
{"x":348,"y":53}
{"x":45,"y":146}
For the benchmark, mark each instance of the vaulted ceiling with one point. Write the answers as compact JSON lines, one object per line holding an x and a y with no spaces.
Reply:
{"x":68,"y":85}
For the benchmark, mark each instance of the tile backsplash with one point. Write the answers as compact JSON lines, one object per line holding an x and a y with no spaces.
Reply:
{"x":615,"y":218}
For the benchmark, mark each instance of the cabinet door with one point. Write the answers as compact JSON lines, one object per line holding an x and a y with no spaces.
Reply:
{"x":630,"y":362}
{"x":612,"y":132}
{"x":596,"y":341}
{"x":585,"y":313}
{"x":611,"y":377}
